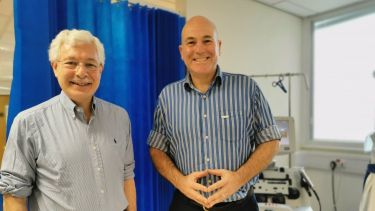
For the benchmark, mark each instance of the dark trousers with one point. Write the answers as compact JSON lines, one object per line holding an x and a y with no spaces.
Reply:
{"x":182,"y":203}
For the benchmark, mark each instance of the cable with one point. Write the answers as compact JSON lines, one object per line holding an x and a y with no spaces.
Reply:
{"x":317,"y":197}
{"x":333,"y":166}
{"x":307,"y":184}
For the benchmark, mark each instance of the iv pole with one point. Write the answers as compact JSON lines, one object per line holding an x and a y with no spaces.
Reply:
{"x":281,"y":76}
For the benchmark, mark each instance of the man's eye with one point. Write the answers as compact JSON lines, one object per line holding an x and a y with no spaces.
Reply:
{"x":91,"y":66}
{"x":207,"y":41}
{"x":71,"y":63}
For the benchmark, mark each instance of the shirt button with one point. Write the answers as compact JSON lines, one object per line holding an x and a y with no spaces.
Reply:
{"x":207,"y":160}
{"x":98,"y":169}
{"x":204,"y":96}
{"x":94,"y":147}
{"x":204,"y":115}
{"x":206,"y":137}
{"x":102,"y":191}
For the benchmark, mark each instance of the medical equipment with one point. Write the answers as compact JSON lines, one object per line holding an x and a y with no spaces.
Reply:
{"x":284,"y":188}
{"x":286,"y":127}
{"x":279,"y":83}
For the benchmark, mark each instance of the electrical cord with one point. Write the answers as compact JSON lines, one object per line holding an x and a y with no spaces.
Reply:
{"x":317,"y":197}
{"x":307,"y":184}
{"x":333,"y":166}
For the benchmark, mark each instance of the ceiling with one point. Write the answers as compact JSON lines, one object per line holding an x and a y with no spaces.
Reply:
{"x":305,"y":8}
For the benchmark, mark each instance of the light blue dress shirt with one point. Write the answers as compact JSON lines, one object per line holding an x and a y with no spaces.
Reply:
{"x":60,"y":162}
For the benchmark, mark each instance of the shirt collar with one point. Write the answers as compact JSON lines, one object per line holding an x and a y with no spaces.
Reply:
{"x":188,"y":84}
{"x":71,"y":107}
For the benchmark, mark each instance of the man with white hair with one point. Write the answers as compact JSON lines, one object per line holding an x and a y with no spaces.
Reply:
{"x":74,"y":151}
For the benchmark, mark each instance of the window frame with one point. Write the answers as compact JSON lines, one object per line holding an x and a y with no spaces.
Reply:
{"x":331,"y":17}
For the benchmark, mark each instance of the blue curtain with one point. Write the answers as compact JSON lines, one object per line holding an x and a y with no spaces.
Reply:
{"x":142,"y":56}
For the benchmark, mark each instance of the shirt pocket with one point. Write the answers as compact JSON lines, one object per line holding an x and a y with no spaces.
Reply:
{"x":232,"y":125}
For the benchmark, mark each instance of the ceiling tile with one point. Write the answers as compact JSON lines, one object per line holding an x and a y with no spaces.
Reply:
{"x":323,"y":5}
{"x":294,"y":8}
{"x":272,"y":2}
{"x":305,"y":8}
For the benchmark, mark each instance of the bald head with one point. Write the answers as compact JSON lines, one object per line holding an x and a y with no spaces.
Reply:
{"x":200,"y":49}
{"x":198,"y":22}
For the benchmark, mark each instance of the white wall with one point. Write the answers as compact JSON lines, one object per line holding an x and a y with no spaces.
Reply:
{"x":257,"y":39}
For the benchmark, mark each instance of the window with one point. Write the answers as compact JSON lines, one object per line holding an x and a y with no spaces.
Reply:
{"x":343,"y":108}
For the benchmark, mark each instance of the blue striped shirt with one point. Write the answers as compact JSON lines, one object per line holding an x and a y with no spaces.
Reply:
{"x":218,"y":129}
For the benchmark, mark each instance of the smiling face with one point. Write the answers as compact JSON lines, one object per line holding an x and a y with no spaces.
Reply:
{"x":200,"y":47}
{"x":78,"y":72}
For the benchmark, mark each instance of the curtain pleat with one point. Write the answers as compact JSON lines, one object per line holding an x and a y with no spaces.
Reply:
{"x":141,"y":46}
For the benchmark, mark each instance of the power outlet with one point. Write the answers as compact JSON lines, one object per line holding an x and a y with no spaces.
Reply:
{"x":338,"y":163}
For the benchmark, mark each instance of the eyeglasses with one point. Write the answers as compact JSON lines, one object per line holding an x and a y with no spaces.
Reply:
{"x":73,"y":64}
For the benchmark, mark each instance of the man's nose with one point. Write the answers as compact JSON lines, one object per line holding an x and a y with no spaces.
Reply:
{"x":199,"y":47}
{"x":81,"y":70}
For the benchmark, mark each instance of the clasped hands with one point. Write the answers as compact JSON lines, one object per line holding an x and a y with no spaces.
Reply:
{"x":229,"y":183}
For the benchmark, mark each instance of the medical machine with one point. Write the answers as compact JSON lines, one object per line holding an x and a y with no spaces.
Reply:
{"x":286,"y":128}
{"x":284,"y":188}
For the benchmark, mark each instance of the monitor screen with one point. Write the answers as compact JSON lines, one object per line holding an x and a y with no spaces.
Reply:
{"x":286,"y":128}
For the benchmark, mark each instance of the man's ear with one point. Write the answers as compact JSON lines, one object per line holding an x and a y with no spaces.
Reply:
{"x":54,"y":67}
{"x":101,"y":66}
{"x":180,"y":50}
{"x":219,"y":42}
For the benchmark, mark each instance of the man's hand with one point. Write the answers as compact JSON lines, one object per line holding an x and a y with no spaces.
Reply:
{"x":187,"y":184}
{"x":229,"y":183}
{"x":190,"y":187}
{"x":232,"y":181}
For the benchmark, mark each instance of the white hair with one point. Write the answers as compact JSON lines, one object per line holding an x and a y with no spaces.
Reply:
{"x":74,"y":37}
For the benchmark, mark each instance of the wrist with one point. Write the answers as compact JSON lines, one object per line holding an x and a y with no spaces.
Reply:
{"x":241,"y":177}
{"x":176,"y":180}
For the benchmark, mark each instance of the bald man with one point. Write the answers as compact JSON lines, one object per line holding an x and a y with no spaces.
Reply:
{"x":213,"y":132}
